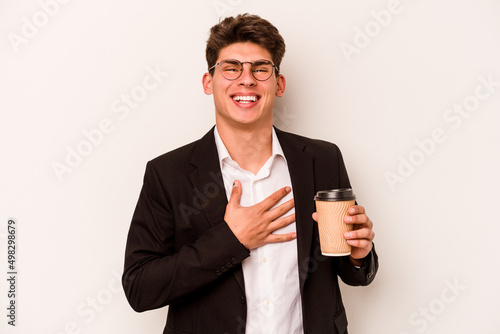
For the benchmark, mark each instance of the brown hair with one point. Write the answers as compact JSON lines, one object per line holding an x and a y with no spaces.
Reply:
{"x":244,"y":28}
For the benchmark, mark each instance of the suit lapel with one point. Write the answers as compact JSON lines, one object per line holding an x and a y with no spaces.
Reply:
{"x":300,"y":166}
{"x":207,"y":178}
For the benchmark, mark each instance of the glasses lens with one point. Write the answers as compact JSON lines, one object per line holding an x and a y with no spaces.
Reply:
{"x":230,"y":69}
{"x":262,"y":69}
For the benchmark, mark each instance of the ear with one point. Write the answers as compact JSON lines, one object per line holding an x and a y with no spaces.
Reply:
{"x":207,"y":83}
{"x":280,"y":85}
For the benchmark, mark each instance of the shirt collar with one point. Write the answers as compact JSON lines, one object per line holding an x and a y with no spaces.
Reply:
{"x":223,"y":152}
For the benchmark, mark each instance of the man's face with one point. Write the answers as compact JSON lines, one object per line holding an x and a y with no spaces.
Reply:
{"x":232,"y":111}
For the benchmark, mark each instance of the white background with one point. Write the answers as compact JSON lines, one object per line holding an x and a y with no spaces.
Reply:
{"x":436,"y":225}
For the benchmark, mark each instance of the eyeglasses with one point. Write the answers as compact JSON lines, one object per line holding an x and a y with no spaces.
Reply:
{"x":231,"y":69}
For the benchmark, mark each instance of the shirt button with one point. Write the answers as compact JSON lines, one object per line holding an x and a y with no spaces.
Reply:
{"x":242,"y":299}
{"x":266,"y":301}
{"x":264,"y":260}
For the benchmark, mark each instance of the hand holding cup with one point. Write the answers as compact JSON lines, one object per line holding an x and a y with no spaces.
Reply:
{"x":344,"y":228}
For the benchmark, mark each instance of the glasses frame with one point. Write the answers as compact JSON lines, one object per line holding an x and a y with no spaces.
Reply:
{"x":251,"y":66}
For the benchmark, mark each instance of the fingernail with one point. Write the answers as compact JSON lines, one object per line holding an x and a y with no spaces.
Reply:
{"x":352,"y":210}
{"x":348,"y":219}
{"x":288,"y":189}
{"x":235,"y":183}
{"x":347,"y":235}
{"x":294,"y":235}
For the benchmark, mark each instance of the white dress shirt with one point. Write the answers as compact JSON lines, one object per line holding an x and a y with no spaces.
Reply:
{"x":270,"y":272}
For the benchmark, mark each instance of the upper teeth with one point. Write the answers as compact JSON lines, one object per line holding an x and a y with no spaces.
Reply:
{"x":245,"y":98}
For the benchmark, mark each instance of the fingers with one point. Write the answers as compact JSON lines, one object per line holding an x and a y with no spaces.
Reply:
{"x":280,"y":210}
{"x":356,"y":209}
{"x":280,"y":223}
{"x":364,"y":233}
{"x":352,"y":218}
{"x":359,"y":219}
{"x":361,"y":243}
{"x":274,"y":198}
{"x":275,"y":238}
{"x":235,"y":194}
{"x":356,"y":216}
{"x":254,"y":225}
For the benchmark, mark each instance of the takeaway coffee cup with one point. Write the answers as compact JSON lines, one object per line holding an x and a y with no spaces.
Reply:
{"x":331,"y":207}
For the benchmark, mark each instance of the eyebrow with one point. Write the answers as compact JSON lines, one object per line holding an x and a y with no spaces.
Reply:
{"x":231,"y":61}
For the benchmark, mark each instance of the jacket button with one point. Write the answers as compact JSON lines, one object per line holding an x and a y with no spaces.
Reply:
{"x":218,"y":273}
{"x":234,"y":260}
{"x":242,"y":299}
{"x":223,"y":269}
{"x":229,"y":265}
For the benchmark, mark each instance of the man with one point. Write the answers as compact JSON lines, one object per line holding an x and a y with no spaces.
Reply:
{"x":224,"y":229}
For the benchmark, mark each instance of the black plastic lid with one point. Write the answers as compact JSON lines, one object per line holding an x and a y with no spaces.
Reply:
{"x":332,"y":195}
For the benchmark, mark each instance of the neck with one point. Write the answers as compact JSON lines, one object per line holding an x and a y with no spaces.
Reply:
{"x":250,"y":148}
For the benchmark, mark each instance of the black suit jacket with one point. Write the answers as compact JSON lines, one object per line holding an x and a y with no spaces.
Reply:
{"x":181,"y":253}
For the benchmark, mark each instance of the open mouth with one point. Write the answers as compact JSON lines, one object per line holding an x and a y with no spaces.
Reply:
{"x":245,"y":98}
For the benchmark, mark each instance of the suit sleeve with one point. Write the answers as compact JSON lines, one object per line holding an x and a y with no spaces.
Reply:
{"x":347,"y":272}
{"x":157,"y":270}
{"x":359,"y":276}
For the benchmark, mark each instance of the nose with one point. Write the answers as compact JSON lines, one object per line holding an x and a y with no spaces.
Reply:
{"x":246,"y":78}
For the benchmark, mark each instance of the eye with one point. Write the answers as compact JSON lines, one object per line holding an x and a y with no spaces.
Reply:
{"x":231,"y":66}
{"x":262,"y":67}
